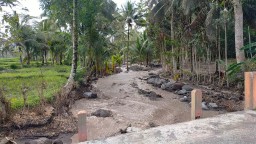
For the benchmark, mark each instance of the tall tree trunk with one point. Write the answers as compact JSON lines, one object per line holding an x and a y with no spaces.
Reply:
{"x":239,"y":41}
{"x":75,"y":44}
{"x":147,"y":59}
{"x":250,"y":41}
{"x":191,"y":58}
{"x":127,"y":55}
{"x":172,"y":38}
{"x":61,"y":55}
{"x":20,"y":51}
{"x":45,"y":56}
{"x":28,"y":57}
{"x":226,"y":54}
{"x":42,"y":58}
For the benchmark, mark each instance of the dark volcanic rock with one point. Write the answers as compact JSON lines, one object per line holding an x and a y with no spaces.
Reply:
{"x":187,"y":88}
{"x":167,"y":85}
{"x":177,"y":86}
{"x":156,"y":81}
{"x":102,"y":113}
{"x":182,"y":92}
{"x":150,"y":80}
{"x":90,"y":95}
{"x":150,"y":94}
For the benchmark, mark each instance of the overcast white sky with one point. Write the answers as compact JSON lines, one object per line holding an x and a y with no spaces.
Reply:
{"x":34,"y":7}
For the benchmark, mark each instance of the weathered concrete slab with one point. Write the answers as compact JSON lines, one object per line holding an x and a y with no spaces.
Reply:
{"x":232,"y":128}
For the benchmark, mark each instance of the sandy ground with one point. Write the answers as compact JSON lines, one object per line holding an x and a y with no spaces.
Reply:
{"x":119,"y":94}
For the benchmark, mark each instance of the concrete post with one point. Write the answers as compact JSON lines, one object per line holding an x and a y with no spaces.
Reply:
{"x":82,"y":130}
{"x":196,"y":104}
{"x":250,"y":90}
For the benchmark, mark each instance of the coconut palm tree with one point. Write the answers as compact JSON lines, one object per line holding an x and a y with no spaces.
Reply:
{"x":132,"y":17}
{"x":75,"y":44}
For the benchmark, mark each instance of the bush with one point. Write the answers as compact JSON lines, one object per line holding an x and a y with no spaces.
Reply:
{"x":61,"y":70}
{"x":38,"y":64}
{"x":1,"y":68}
{"x":27,"y":66}
{"x":14,"y":66}
{"x":80,"y":75}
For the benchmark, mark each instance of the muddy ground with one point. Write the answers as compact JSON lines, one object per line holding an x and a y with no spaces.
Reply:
{"x":129,"y":109}
{"x":119,"y":93}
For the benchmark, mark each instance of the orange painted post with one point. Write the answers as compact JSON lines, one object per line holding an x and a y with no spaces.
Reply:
{"x":82,"y":130}
{"x":196,"y":104}
{"x":254,"y":90}
{"x":250,"y":90}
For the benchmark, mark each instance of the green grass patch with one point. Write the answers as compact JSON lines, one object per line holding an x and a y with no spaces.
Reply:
{"x":32,"y":77}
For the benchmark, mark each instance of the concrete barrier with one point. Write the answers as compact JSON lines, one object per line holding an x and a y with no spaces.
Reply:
{"x":196,"y":104}
{"x":82,"y":129}
{"x":250,"y":90}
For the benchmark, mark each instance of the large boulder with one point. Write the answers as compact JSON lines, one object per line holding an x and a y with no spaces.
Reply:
{"x":213,"y":105}
{"x":175,"y":87}
{"x":167,"y":85}
{"x":150,"y":94}
{"x":90,"y":95}
{"x":182,"y":92}
{"x":158,"y":82}
{"x":204,"y":106}
{"x":187,"y":88}
{"x":102,"y":113}
{"x":151,"y":80}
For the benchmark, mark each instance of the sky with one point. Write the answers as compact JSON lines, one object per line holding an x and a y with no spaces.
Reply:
{"x":34,"y":6}
{"x":34,"y":10}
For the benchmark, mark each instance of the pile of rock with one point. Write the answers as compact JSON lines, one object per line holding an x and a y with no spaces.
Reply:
{"x":179,"y":88}
{"x":156,"y":81}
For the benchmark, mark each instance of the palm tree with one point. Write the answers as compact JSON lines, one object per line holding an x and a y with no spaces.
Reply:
{"x":21,"y":31}
{"x":75,"y":45}
{"x":132,"y":15}
{"x":239,"y":40}
{"x":9,"y":3}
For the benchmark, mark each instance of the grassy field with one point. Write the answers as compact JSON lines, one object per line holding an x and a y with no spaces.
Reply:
{"x":14,"y":78}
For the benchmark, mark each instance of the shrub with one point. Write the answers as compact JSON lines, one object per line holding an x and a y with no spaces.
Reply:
{"x":61,"y":70}
{"x":14,"y":66}
{"x":80,"y":75}
{"x":1,"y":68}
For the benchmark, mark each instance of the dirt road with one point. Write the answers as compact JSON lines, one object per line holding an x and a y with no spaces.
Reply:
{"x":119,"y":93}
